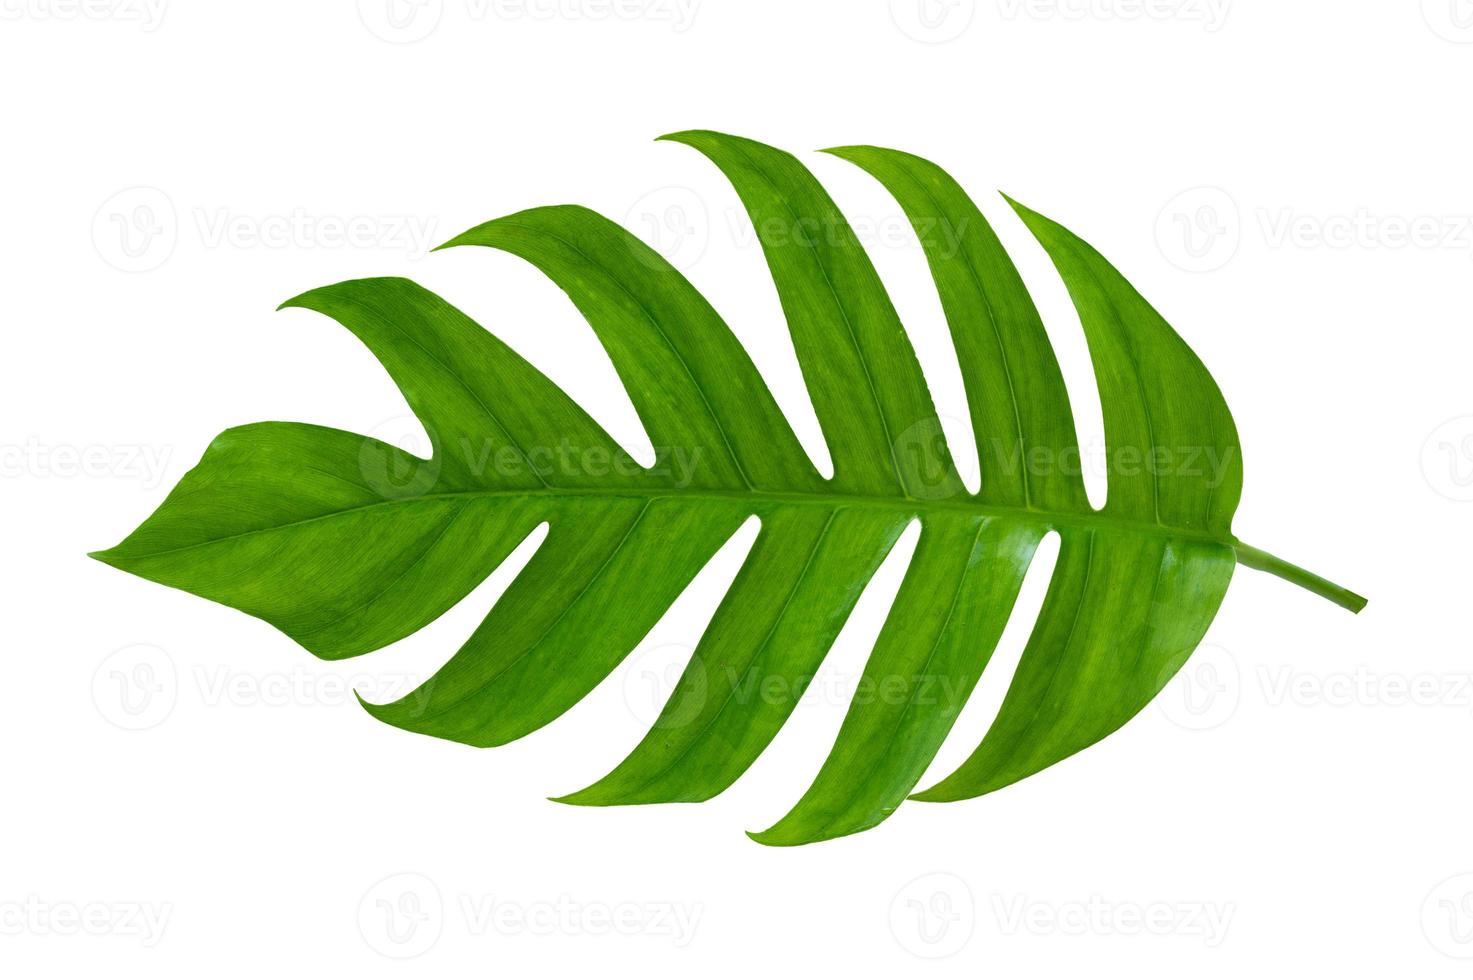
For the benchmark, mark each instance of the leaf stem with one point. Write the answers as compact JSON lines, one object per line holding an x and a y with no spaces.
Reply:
{"x":1265,"y":562}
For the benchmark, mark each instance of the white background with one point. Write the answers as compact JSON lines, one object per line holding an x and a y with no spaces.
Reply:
{"x":189,"y":794}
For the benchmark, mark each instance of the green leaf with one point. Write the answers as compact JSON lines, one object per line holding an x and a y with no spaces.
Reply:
{"x":347,"y":544}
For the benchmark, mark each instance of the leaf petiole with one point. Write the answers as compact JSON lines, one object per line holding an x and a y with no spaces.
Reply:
{"x":1265,"y":562}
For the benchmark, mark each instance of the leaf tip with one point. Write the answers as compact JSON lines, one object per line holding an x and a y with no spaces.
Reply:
{"x":699,"y":137}
{"x":298,"y":301}
{"x":587,"y":796}
{"x":377,"y":710}
{"x":945,"y":791}
{"x":785,"y":833}
{"x":774,"y":837}
{"x":114,"y":557}
{"x":482,"y":234}
{"x":1041,"y":226}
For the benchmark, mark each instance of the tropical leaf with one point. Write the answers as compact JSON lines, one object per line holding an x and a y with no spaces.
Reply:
{"x":347,"y":544}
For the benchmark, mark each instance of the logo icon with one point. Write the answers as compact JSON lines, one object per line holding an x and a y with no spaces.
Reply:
{"x":1205,"y":692}
{"x":933,"y":21}
{"x":398,"y":458}
{"x":1199,"y":229}
{"x":1447,"y":459}
{"x":401,"y":21}
{"x":402,"y":916}
{"x":136,"y":229}
{"x":653,"y":677}
{"x":933,"y":917}
{"x":674,"y":222}
{"x":918,"y":452}
{"x":136,"y":687}
{"x":1451,"y":20}
{"x":1447,"y":917}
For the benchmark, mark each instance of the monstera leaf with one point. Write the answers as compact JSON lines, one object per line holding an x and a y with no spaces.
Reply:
{"x":347,"y":544}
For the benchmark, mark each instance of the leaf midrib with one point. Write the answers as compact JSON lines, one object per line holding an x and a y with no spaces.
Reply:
{"x":911,"y":507}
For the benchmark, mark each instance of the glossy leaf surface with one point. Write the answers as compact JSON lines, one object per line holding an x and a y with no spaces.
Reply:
{"x":347,"y":544}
